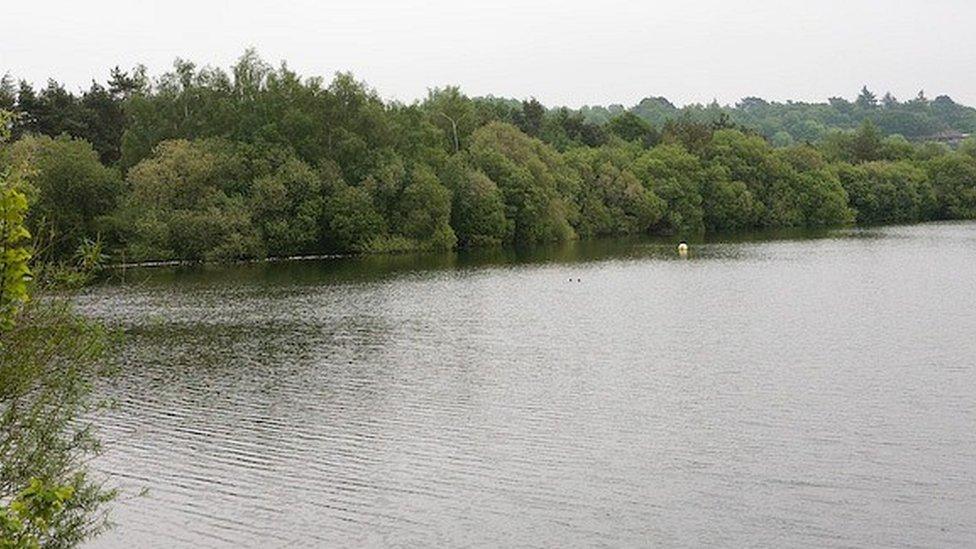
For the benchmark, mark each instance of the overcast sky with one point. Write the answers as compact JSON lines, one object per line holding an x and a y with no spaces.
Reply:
{"x":568,"y":52}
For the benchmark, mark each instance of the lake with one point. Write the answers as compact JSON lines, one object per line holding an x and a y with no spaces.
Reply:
{"x":772,"y":390}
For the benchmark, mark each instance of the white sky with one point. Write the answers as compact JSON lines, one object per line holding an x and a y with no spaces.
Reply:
{"x":569,"y":52}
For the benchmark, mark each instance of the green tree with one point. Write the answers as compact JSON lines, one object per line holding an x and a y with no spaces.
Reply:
{"x":675,"y":175}
{"x":866,"y":99}
{"x":888,"y":192}
{"x":69,"y":191}
{"x":533,"y":178}
{"x":630,"y":127}
{"x":953,"y":179}
{"x":424,"y":212}
{"x":477,"y":207}
{"x":177,"y":208}
{"x":287,"y":208}
{"x":31,"y":518}
{"x":49,"y":358}
{"x":728,"y":205}
{"x":864,"y":145}
{"x":453,"y":113}
{"x":611,"y":199}
{"x":352,"y":223}
{"x":14,"y":252}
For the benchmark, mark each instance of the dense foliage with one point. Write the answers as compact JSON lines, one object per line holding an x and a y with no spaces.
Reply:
{"x":49,"y":358}
{"x":14,"y":246}
{"x":786,"y":123}
{"x":206,"y":164}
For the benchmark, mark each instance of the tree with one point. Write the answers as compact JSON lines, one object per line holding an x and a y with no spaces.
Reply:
{"x":177,"y":208}
{"x":611,"y":198}
{"x":630,"y":127}
{"x":533,"y":178}
{"x":531,"y":118}
{"x":953,"y":179}
{"x":563,"y":128}
{"x":782,"y":139}
{"x":728,"y":206}
{"x":749,"y":159}
{"x":105,"y":120}
{"x":424,"y":212}
{"x":822,"y":200}
{"x":287,"y":208}
{"x":866,"y":99}
{"x":14,"y":251}
{"x":48,"y":360}
{"x":453,"y":113}
{"x":352,"y":223}
{"x":863,"y":145}
{"x":675,"y":175}
{"x":256,"y":159}
{"x":71,"y":193}
{"x":477,"y":207}
{"x":888,"y":192}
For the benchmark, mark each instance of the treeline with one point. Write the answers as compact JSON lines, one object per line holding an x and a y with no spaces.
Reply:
{"x":205,"y":164}
{"x":797,"y":122}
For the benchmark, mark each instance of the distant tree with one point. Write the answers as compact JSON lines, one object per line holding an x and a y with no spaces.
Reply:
{"x":866,"y":99}
{"x":863,"y":145}
{"x":630,"y":127}
{"x":531,"y":118}
{"x":728,"y":205}
{"x":424,"y":212}
{"x":226,"y":164}
{"x":782,"y":139}
{"x":888,"y":192}
{"x":453,"y":113}
{"x":752,"y":104}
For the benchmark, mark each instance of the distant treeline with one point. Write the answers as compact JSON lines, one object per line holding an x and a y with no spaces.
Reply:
{"x":205,"y":164}
{"x":791,"y":122}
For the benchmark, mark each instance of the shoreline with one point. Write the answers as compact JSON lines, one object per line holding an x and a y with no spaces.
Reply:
{"x":755,"y":235}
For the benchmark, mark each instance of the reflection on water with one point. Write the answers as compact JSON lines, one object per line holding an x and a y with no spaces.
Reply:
{"x":788,"y":391}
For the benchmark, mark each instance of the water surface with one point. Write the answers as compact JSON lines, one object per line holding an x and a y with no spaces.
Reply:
{"x":786,"y":392}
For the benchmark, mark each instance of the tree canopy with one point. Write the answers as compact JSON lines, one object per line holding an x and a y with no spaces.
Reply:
{"x":207,"y":164}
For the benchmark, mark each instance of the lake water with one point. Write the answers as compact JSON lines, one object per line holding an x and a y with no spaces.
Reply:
{"x":781,"y":392}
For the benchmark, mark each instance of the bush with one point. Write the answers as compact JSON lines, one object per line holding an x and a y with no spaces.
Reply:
{"x":49,"y":360}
